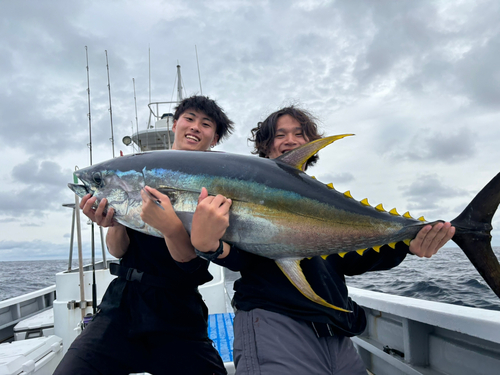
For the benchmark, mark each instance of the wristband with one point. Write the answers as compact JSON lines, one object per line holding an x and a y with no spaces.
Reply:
{"x":211,"y":255}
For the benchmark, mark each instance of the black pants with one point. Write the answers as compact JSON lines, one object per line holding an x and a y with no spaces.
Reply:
{"x":105,"y":348}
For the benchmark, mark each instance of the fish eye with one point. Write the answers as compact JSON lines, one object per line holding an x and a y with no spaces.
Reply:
{"x":97,"y":179}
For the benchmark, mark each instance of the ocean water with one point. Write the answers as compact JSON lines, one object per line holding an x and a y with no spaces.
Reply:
{"x":446,"y":277}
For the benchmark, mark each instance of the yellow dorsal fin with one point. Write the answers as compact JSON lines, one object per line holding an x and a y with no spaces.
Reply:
{"x":407,"y":242}
{"x":298,"y":158}
{"x":380,"y":208}
{"x":330,"y":186}
{"x":360,"y":251}
{"x":421,"y":218}
{"x":392,"y":244}
{"x":376,"y":248}
{"x":324,"y":256}
{"x":348,"y":194}
{"x":394,"y":212}
{"x":407,"y":215}
{"x":342,"y":254}
{"x":364,"y":202}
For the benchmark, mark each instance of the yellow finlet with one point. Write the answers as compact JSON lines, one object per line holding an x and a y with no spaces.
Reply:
{"x":392,"y":244}
{"x":407,"y":242}
{"x":364,"y":202}
{"x":407,"y":215}
{"x":421,"y":218}
{"x":313,"y":177}
{"x":348,"y":194}
{"x":330,"y":186}
{"x":376,"y":248}
{"x":380,"y":208}
{"x":324,"y":257}
{"x":394,"y":212}
{"x":360,"y":251}
{"x":342,"y":254}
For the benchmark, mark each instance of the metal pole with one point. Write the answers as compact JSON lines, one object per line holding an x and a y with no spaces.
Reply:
{"x":135,"y":101}
{"x":72,"y":240}
{"x":179,"y":84}
{"x":105,"y":264}
{"x":83,"y":302}
{"x":199,"y":76}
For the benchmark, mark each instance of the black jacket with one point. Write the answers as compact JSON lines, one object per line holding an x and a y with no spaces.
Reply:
{"x":263,"y":285}
{"x":176,"y":308}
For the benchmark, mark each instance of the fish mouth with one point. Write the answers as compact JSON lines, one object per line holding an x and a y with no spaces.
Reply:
{"x":80,"y":190}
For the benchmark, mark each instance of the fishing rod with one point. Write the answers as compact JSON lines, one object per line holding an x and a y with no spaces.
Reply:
{"x":94,"y":285}
{"x":112,"y":139}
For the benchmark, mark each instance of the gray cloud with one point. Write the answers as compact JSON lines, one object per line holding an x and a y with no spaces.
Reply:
{"x":434,"y":145}
{"x":40,"y":186}
{"x":417,"y":81}
{"x":427,"y":192}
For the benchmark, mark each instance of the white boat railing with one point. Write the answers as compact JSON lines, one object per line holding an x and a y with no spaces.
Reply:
{"x":13,"y":310}
{"x":413,"y":336}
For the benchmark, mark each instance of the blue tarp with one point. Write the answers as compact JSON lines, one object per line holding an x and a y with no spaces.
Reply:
{"x":220,"y":331}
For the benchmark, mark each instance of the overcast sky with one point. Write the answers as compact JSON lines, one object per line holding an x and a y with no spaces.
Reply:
{"x":417,"y":82}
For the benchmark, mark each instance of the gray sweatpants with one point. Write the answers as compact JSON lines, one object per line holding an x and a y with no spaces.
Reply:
{"x":267,"y":343}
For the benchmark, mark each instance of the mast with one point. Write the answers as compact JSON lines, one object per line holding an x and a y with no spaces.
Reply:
{"x":135,"y":102}
{"x":179,"y":84}
{"x":198,"y":64}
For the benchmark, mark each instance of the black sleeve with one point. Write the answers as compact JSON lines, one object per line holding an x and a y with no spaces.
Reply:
{"x":193,"y":265}
{"x":354,"y":264}
{"x":237,"y":260}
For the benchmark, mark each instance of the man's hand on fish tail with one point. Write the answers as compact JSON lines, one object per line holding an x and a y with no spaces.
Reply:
{"x":166,"y":220}
{"x":210,"y":221}
{"x":98,"y":215}
{"x":431,"y":238}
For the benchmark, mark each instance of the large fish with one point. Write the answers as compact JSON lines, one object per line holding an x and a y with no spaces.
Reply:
{"x":278,"y":211}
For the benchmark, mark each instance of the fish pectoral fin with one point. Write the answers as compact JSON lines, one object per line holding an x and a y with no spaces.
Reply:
{"x":291,"y":269}
{"x":299,"y":156}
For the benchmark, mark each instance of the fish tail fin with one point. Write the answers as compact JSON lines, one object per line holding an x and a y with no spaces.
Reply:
{"x":291,"y":269}
{"x":473,"y":227}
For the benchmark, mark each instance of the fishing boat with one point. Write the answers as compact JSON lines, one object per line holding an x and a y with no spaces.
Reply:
{"x":404,"y":335}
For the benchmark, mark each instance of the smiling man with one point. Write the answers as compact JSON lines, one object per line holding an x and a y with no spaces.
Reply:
{"x":156,"y":323}
{"x":276,"y":329}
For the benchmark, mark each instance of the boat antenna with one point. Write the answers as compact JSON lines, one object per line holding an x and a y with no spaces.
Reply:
{"x":135,"y":102}
{"x":94,"y":285}
{"x":197,"y":63}
{"x":112,"y":139}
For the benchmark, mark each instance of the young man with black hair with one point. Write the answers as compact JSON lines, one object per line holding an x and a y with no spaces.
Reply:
{"x":158,"y":324}
{"x":276,"y":329}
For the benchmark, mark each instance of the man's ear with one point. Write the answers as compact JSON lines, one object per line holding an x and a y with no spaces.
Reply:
{"x":174,"y":126}
{"x":214,"y":141}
